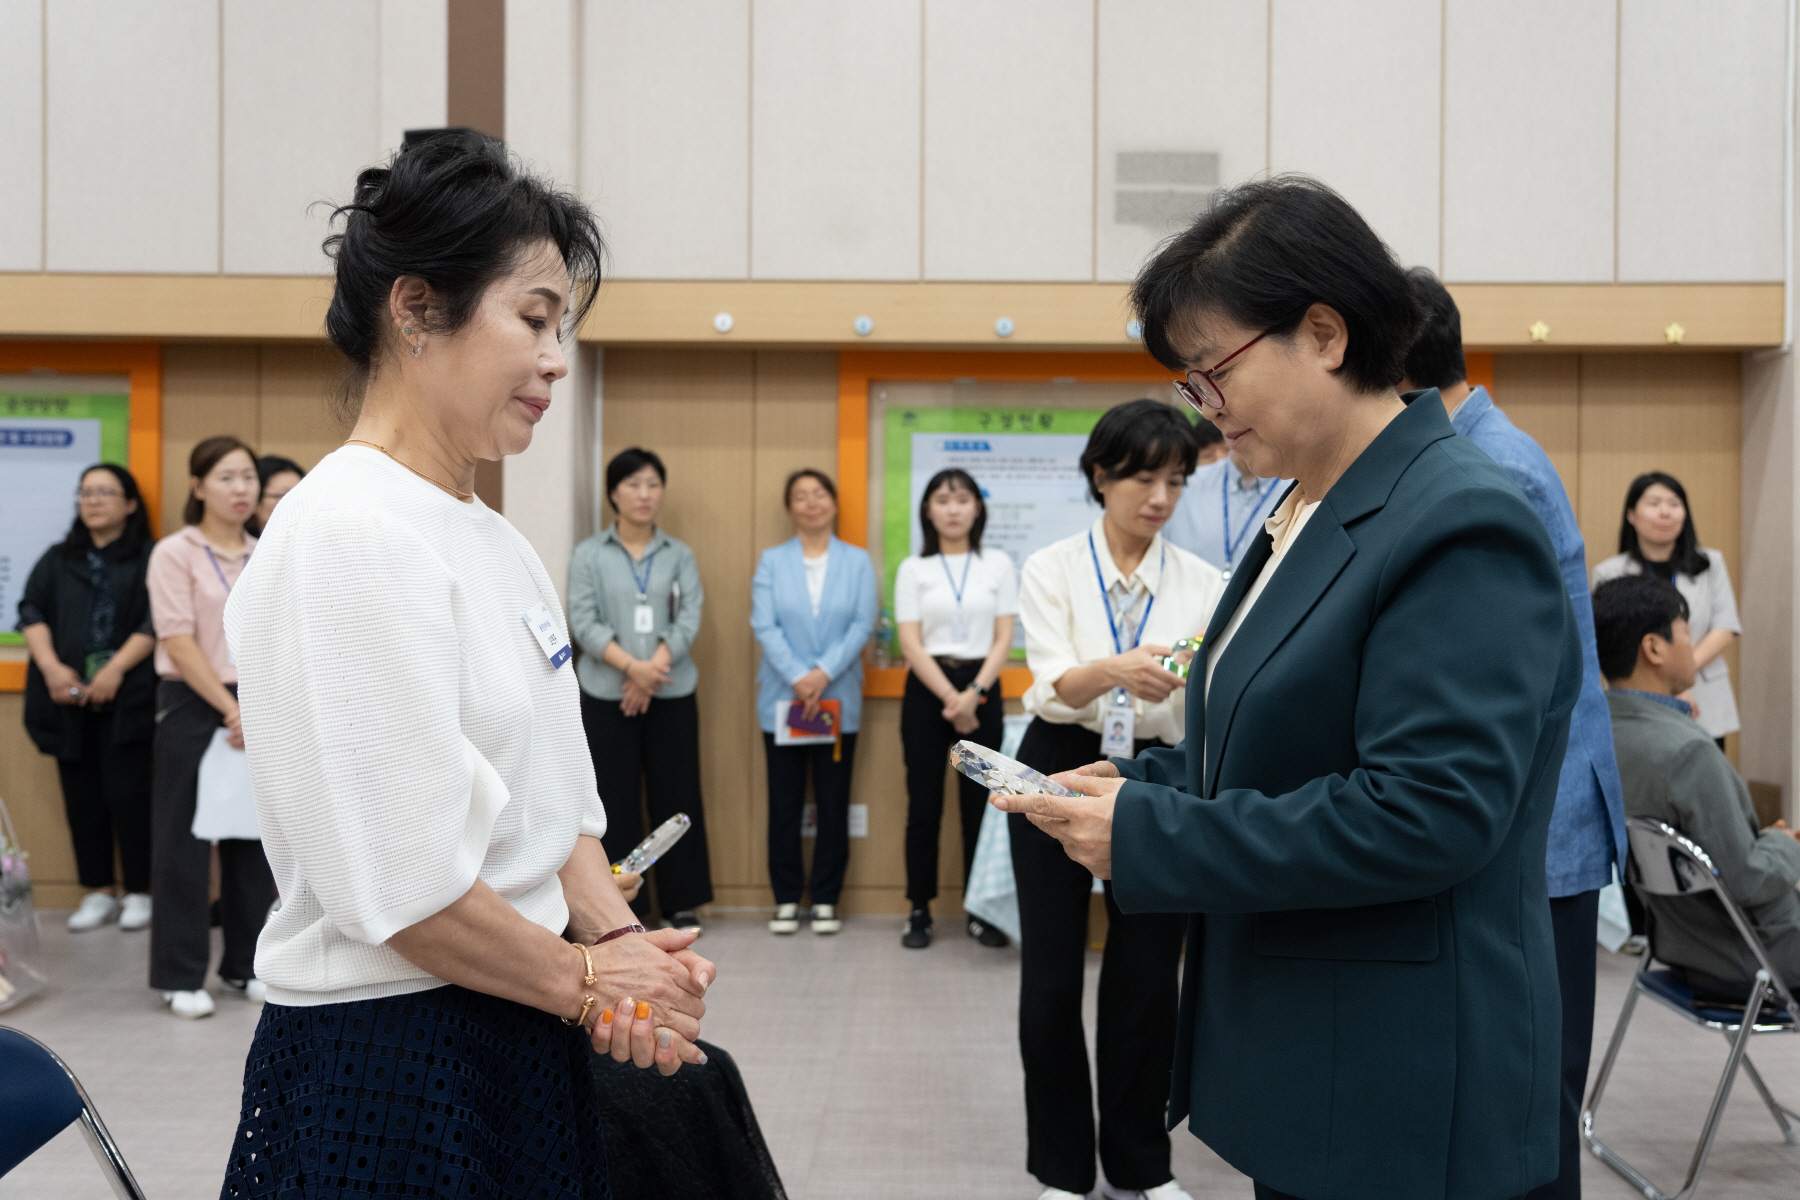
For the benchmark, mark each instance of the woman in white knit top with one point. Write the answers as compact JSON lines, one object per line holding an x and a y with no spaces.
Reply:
{"x":413,"y":724}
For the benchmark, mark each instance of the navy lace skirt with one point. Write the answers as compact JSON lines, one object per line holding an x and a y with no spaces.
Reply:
{"x":446,"y":1093}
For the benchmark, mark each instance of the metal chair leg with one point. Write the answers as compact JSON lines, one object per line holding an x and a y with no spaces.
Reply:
{"x":1780,"y":1114}
{"x":1738,"y":1045}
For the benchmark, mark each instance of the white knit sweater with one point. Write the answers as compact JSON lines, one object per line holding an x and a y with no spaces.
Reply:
{"x":406,"y":731}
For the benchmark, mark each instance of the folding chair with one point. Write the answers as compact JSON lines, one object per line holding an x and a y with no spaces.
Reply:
{"x":39,"y":1098}
{"x":1664,"y":863}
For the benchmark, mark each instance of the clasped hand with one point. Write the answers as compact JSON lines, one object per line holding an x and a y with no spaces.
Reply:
{"x":959,"y":710}
{"x":1083,"y":824}
{"x":644,"y":677}
{"x":650,"y":987}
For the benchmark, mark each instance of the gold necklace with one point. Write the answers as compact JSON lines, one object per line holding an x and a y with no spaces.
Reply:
{"x":422,"y":475}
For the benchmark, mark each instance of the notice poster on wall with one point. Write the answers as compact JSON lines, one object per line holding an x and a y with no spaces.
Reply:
{"x":46,"y":440}
{"x":1026,"y":460}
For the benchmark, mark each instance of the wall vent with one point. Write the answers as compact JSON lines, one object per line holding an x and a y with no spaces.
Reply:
{"x":1163,"y":189}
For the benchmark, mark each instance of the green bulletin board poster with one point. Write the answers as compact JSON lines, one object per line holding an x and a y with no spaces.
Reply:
{"x":46,"y":440}
{"x":1026,"y":460}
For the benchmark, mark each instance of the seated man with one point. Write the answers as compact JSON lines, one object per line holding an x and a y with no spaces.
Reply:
{"x":1674,"y":773}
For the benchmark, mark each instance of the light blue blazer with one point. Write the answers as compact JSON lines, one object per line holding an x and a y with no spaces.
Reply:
{"x":794,"y":641}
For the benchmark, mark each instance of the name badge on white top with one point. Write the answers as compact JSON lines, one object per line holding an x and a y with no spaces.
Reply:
{"x":558,"y":651}
{"x":1118,"y":720}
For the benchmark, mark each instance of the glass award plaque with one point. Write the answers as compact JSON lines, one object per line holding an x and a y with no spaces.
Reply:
{"x":654,"y":846}
{"x":998,"y":773}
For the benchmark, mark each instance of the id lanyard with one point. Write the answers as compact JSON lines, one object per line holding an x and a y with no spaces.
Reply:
{"x":643,"y":617}
{"x":1111,"y":624}
{"x":959,"y":628}
{"x":1233,"y":543}
{"x":218,"y":570}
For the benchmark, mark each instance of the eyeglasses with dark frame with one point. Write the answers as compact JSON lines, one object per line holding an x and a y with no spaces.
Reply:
{"x":1199,"y":389}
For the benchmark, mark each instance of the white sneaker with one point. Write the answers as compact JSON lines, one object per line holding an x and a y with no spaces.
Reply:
{"x":786,"y":920}
{"x":1167,"y":1191}
{"x":97,"y":908}
{"x":825,"y":919}
{"x":253,"y":990}
{"x":189,"y":1006}
{"x":135,"y":912}
{"x":1059,"y":1194}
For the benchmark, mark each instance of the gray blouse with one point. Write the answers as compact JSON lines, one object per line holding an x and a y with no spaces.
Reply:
{"x":604,"y":585}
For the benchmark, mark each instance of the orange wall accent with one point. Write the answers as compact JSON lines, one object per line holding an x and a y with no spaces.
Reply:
{"x":142,"y":362}
{"x":855,"y":371}
{"x":1480,"y":369}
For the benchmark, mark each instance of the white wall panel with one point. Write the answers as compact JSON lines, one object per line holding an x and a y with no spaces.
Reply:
{"x":21,"y":135}
{"x":133,"y":127}
{"x":542,"y":67}
{"x":1701,"y":90}
{"x":1528,"y":140}
{"x":1009,"y":180}
{"x":835,"y":139}
{"x":302,"y":103}
{"x":665,"y":135}
{"x":415,"y":54}
{"x":1210,"y":101}
{"x":1355,"y":102}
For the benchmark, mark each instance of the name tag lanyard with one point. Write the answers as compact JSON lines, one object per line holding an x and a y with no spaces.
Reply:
{"x":959,"y":627}
{"x":644,"y":618}
{"x":217,"y":569}
{"x":1118,"y":722}
{"x":1233,"y":543}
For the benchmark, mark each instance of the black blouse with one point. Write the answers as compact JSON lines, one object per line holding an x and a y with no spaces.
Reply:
{"x":92,"y":601}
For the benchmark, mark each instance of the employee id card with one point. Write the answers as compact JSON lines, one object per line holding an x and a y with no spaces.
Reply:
{"x":643,"y":619}
{"x":1117,"y":724}
{"x":543,"y":628}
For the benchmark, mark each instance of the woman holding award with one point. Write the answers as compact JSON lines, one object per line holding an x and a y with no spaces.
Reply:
{"x":812,"y":608}
{"x":1356,"y":820}
{"x":1101,"y":610}
{"x":449,"y":933}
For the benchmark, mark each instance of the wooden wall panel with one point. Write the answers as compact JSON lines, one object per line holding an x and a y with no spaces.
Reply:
{"x":298,"y":416}
{"x":1541,"y":393}
{"x":208,"y":389}
{"x":33,"y":796}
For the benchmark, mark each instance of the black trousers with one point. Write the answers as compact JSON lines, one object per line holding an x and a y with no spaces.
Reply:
{"x":1135,"y":1043}
{"x":925,"y":739}
{"x":788,"y":766}
{"x":654,"y":756}
{"x":1572,"y":921}
{"x":106,"y":796}
{"x":181,"y":864}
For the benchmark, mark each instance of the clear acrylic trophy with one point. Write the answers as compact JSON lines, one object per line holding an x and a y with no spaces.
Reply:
{"x":998,"y":773}
{"x":654,"y":846}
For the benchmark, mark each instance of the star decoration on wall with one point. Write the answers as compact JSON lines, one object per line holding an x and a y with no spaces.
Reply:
{"x":1674,"y":333}
{"x":1540,"y":332}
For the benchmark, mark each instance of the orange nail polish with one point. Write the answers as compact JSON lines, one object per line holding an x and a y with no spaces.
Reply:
{"x":643,"y":1011}
{"x":606,"y":1017}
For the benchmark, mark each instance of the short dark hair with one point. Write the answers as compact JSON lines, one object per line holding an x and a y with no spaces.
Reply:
{"x":956,"y":479}
{"x":1687,"y":556}
{"x":204,"y":458}
{"x":1139,"y":435}
{"x":787,"y":489}
{"x":271,"y":465}
{"x":1436,"y":358}
{"x":1207,"y":434}
{"x":629,"y":462}
{"x":137,"y":522}
{"x":1262,"y":254}
{"x":455,"y":210}
{"x":1627,"y":608}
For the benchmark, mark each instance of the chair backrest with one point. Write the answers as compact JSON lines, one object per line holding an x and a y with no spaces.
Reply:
{"x":1664,"y":863}
{"x":38,"y":1100}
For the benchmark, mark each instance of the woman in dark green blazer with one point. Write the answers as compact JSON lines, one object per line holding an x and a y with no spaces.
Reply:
{"x":1357,"y":818}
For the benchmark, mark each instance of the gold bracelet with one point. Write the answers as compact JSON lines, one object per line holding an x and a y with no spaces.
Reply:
{"x":587,"y":1002}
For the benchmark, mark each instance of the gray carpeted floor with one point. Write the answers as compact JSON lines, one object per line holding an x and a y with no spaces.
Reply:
{"x":876,"y":1072}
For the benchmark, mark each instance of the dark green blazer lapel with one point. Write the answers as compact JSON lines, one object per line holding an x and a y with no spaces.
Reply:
{"x":1194,"y":737}
{"x":1316,"y":558}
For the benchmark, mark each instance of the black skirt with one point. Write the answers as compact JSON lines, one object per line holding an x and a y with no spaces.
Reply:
{"x":444,"y":1093}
